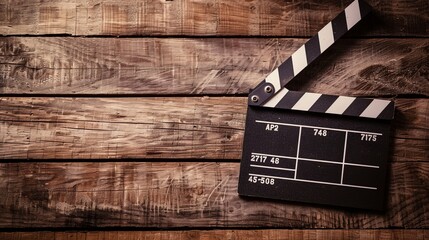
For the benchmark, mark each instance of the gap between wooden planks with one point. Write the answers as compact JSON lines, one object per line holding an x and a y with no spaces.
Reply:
{"x":184,"y":194}
{"x":49,"y":128}
{"x":167,"y":66}
{"x":202,"y":18}
{"x":269,"y":234}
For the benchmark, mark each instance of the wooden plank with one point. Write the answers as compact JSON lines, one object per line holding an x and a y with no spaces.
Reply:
{"x":203,"y":17}
{"x":368,"y":67}
{"x":272,"y":234}
{"x":128,"y":127}
{"x":157,"y":128}
{"x":181,"y":194}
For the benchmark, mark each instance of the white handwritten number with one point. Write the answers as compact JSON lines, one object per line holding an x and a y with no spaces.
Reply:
{"x":320,"y":132}
{"x":368,"y":137}
{"x":258,"y":158}
{"x":261,"y":180}
{"x":275,"y":160}
{"x":272,"y":127}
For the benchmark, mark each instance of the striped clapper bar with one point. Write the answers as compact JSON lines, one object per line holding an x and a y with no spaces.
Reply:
{"x":311,"y":147}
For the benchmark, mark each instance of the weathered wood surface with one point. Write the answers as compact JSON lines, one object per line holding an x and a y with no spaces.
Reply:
{"x":381,"y":59}
{"x":269,"y":234}
{"x":68,"y":65}
{"x":184,"y":194}
{"x":203,"y":17}
{"x":158,"y":128}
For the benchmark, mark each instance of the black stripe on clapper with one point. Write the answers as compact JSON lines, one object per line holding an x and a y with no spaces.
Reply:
{"x":364,"y":9}
{"x":357,"y":107}
{"x":289,"y":100}
{"x":323,"y":103}
{"x":286,"y":71}
{"x":339,"y":25}
{"x":312,"y":48}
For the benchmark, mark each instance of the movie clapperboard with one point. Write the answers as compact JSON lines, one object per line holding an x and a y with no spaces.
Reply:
{"x":312,"y":147}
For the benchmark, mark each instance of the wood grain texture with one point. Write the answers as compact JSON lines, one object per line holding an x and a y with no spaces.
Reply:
{"x":94,"y":128}
{"x":68,"y":65}
{"x":71,"y":91}
{"x":166,"y":195}
{"x":158,"y":127}
{"x":269,"y":234}
{"x":203,"y":17}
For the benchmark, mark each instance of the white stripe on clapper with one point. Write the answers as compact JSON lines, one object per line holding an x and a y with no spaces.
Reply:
{"x":374,"y":108}
{"x":277,"y":98}
{"x":306,"y":101}
{"x":274,"y":79}
{"x":326,"y":37}
{"x":340,"y":105}
{"x":299,"y":60}
{"x":352,"y":14}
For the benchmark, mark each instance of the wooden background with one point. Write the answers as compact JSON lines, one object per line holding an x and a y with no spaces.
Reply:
{"x":125,"y":119}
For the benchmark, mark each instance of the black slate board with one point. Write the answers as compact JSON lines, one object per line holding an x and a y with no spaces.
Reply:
{"x":315,"y":158}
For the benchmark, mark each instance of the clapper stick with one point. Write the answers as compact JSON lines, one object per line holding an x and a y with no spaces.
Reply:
{"x":312,"y":147}
{"x":308,"y":52}
{"x":272,"y":92}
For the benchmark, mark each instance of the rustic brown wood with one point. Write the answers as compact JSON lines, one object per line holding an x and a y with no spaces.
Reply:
{"x":387,"y":56}
{"x":270,"y":234}
{"x":369,"y":67}
{"x":158,"y":127}
{"x":136,"y":194}
{"x":206,"y":17}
